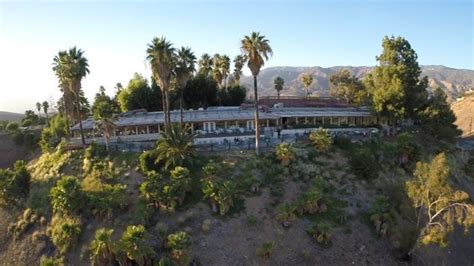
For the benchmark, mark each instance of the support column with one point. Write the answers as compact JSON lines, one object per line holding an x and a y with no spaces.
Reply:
{"x":192,"y":128}
{"x":147,"y":129}
{"x":136,"y":130}
{"x":268,"y":123}
{"x":306,"y":120}
{"x":277,"y":121}
{"x":296,"y":119}
{"x":314,"y":120}
{"x":159,"y":128}
{"x":225,"y":124}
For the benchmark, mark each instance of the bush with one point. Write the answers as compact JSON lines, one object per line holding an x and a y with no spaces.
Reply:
{"x":178,"y":243}
{"x":102,"y":247}
{"x":50,"y":164}
{"x":266,"y":250}
{"x":284,"y":152}
{"x":221,"y":194}
{"x":134,"y":244}
{"x":12,"y":126}
{"x":321,"y":139}
{"x":18,"y":137}
{"x":381,"y":215}
{"x":50,"y":261}
{"x":66,"y":196}
{"x":24,"y":222}
{"x":364,"y":164}
{"x":147,"y":161}
{"x":321,"y":232}
{"x":14,"y":184}
{"x":64,"y":232}
{"x":166,"y":193}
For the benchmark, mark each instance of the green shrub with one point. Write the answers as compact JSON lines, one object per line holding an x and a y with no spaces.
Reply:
{"x":178,"y":243}
{"x":321,"y":232}
{"x":381,"y":215}
{"x":24,"y":222}
{"x":14,"y":184}
{"x":364,"y":164}
{"x":221,"y":194}
{"x":64,"y":232}
{"x":18,"y":137}
{"x":266,"y":250}
{"x":102,"y":247}
{"x":134,"y":244}
{"x":50,"y":261}
{"x":50,"y":164}
{"x":147,"y":161}
{"x":166,"y":193}
{"x":286,"y":215}
{"x":343,"y":143}
{"x":12,"y":126}
{"x":285,"y":153}
{"x":66,"y":196}
{"x":321,"y":139}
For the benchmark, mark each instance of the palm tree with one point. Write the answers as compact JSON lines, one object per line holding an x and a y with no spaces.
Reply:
{"x":225,"y":68}
{"x":67,"y":98}
{"x":38,"y":107}
{"x":175,"y":146}
{"x":278,"y":82}
{"x":307,"y":80}
{"x":205,"y":65}
{"x":239,"y":62}
{"x":257,"y":49}
{"x":217,"y":69}
{"x":185,"y":67}
{"x":102,"y":247}
{"x":161,"y":55}
{"x":72,"y":66}
{"x":45,"y":106}
{"x":106,"y":125}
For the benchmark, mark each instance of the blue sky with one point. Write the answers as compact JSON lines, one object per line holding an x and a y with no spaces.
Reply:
{"x":114,"y":35}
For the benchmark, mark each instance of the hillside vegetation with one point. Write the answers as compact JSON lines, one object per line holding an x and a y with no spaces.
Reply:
{"x":464,"y":111}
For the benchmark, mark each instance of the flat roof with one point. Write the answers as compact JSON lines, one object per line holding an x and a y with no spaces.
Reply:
{"x":216,"y":114}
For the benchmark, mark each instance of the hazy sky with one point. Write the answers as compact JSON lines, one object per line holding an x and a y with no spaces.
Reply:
{"x":114,"y":35}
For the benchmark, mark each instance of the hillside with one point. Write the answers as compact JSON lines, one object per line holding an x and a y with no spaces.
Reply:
{"x":464,"y":111}
{"x":8,"y":116}
{"x":453,"y":81}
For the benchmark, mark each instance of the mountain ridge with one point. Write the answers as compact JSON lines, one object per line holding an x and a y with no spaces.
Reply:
{"x":453,"y":81}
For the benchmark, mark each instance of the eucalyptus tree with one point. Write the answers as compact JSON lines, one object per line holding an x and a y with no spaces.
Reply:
{"x":185,"y":68}
{"x":205,"y":65}
{"x":239,"y":62}
{"x":278,"y":83}
{"x":72,"y":67}
{"x":257,"y":49}
{"x":162,"y":58}
{"x":307,"y":80}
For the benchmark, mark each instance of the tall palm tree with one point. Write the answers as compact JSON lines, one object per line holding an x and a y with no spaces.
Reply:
{"x":225,"y":68}
{"x":67,"y":98}
{"x":278,"y":83}
{"x":258,"y":50}
{"x":104,"y":120}
{"x":205,"y":65}
{"x":45,"y":106}
{"x":239,"y":62}
{"x":185,"y":67}
{"x":217,"y":69}
{"x":161,"y":55}
{"x":38,"y":107}
{"x":307,"y":80}
{"x":72,"y":67}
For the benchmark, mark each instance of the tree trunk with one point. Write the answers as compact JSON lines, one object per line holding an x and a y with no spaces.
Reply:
{"x":163,"y":103}
{"x":278,"y":94}
{"x":257,"y":128}
{"x":181,"y":108}
{"x":168,"y":112}
{"x":80,"y":118}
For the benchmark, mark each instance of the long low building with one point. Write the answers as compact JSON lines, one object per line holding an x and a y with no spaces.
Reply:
{"x":143,"y":125}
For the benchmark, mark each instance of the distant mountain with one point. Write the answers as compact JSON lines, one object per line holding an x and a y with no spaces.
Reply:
{"x":10,"y":116}
{"x":453,"y":81}
{"x":464,"y":111}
